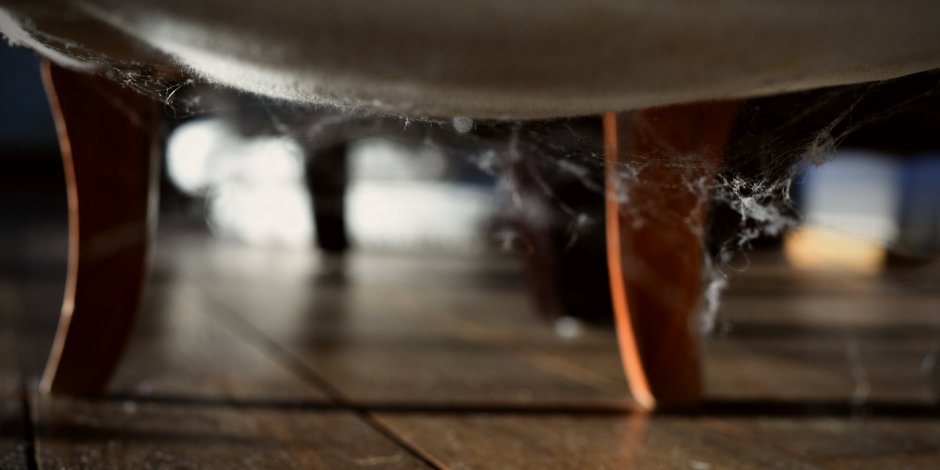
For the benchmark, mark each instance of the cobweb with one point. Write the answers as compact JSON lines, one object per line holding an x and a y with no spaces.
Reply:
{"x":550,"y":173}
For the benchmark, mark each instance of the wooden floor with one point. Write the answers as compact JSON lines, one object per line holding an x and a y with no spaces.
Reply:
{"x":249,"y":358}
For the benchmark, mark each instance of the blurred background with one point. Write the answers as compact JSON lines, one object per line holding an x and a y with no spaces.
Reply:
{"x":323,"y":283}
{"x":873,"y":209}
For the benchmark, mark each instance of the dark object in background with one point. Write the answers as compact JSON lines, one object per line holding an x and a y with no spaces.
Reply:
{"x":918,"y":240}
{"x":561,"y":220}
{"x":26,"y":127}
{"x":326,"y":174}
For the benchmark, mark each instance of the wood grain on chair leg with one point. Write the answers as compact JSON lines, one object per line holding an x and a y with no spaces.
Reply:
{"x":657,"y":215}
{"x":105,"y":133}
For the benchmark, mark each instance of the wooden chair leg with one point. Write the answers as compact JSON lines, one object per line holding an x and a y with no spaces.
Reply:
{"x":657,"y":214}
{"x":105,"y":133}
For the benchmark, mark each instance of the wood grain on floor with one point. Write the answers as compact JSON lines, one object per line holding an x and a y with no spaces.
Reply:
{"x":262,"y":358}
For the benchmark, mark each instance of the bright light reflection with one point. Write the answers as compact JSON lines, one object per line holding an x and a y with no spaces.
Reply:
{"x":857,"y":193}
{"x":262,"y":214}
{"x":188,"y":150}
{"x":851,"y":207}
{"x":426,"y":214}
{"x":256,"y":193}
{"x":254,"y":187}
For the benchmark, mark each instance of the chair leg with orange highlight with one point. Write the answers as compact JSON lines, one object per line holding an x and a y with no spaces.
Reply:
{"x":660,"y":166}
{"x":106,"y":135}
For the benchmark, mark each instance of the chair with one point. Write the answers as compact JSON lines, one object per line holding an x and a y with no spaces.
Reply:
{"x":664,"y":74}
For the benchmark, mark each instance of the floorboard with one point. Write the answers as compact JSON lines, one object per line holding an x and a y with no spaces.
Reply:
{"x":273,"y":358}
{"x":191,"y":393}
{"x":132,"y":434}
{"x":182,"y":352}
{"x":401,"y":331}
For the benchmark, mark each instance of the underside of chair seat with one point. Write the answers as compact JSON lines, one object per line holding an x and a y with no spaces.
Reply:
{"x":493,"y":58}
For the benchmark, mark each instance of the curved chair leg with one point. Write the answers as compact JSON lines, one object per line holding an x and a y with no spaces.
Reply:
{"x":105,"y":133}
{"x":657,"y":214}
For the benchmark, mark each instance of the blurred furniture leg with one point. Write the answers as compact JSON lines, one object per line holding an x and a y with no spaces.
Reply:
{"x":326,"y":177}
{"x":660,"y":165}
{"x":566,"y":265}
{"x":106,"y":136}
